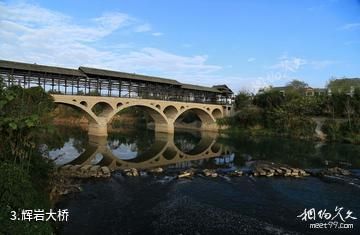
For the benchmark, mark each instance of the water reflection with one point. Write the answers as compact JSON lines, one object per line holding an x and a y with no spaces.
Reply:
{"x":64,"y":155}
{"x":293,"y":152}
{"x":144,"y":149}
{"x":121,"y":150}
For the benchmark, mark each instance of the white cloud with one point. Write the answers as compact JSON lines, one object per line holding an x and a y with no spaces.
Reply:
{"x":31,"y":14}
{"x":351,"y":26}
{"x":34,"y":34}
{"x":30,"y":22}
{"x":157,"y":34}
{"x":143,"y":28}
{"x":157,"y":61}
{"x":287,"y":64}
{"x":113,"y":20}
{"x":251,"y":59}
{"x":253,"y":84}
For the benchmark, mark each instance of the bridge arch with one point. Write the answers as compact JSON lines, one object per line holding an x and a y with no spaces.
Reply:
{"x":170,"y":111}
{"x":82,"y":106}
{"x":170,"y":153}
{"x":84,"y":103}
{"x":216,"y":113}
{"x":102,"y":108}
{"x":204,"y":115}
{"x":160,"y":119}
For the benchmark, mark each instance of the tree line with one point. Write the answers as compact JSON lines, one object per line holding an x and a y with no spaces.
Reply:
{"x":290,"y":112}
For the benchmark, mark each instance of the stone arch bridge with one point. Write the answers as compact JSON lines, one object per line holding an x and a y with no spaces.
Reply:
{"x":164,"y":113}
{"x":164,"y":99}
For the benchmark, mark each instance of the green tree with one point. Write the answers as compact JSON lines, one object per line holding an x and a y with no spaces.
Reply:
{"x":297,"y":84}
{"x":343,"y":85}
{"x":242,"y":100}
{"x":268,"y":100}
{"x":24,"y":113}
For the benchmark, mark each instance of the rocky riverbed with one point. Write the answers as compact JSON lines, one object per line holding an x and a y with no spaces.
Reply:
{"x":67,"y":179}
{"x":254,"y":169}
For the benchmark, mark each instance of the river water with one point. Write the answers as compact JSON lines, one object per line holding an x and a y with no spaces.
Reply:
{"x":160,"y":204}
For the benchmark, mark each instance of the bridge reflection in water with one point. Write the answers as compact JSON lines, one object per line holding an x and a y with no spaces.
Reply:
{"x":164,"y":150}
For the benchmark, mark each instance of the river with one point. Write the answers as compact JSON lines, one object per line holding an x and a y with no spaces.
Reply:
{"x":161,"y":204}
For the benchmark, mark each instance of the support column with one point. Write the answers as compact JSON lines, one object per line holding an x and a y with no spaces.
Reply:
{"x":98,"y":129}
{"x":164,"y":127}
{"x":167,"y":137}
{"x":98,"y":140}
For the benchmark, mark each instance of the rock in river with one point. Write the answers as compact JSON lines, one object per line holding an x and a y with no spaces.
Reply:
{"x":131,"y":172}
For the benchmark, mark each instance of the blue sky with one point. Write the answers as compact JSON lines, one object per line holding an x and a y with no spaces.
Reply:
{"x":245,"y":44}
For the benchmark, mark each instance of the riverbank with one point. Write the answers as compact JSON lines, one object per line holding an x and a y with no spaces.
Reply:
{"x":322,"y":129}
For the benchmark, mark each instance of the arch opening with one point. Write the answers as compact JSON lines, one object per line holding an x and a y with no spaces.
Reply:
{"x":169,"y":153}
{"x":215,"y":148}
{"x":132,"y":117}
{"x":186,"y":141}
{"x":145,"y":147}
{"x":140,"y":116}
{"x":102,"y":109}
{"x":194,"y":118}
{"x":170,"y":111}
{"x":216,"y":113}
{"x":75,"y":111}
{"x":84,"y":103}
{"x":192,"y":143}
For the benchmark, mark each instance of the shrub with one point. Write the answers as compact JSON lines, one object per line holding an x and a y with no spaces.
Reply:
{"x":17,"y":192}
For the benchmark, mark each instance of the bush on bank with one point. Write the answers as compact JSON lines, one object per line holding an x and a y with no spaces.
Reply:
{"x":24,"y":174}
{"x":342,"y":131}
{"x":20,"y":190}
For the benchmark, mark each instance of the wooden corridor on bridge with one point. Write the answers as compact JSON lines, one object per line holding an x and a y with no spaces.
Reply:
{"x":100,"y":82}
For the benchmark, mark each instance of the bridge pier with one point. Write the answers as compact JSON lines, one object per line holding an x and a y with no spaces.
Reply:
{"x":164,"y":127}
{"x":99,"y":128}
